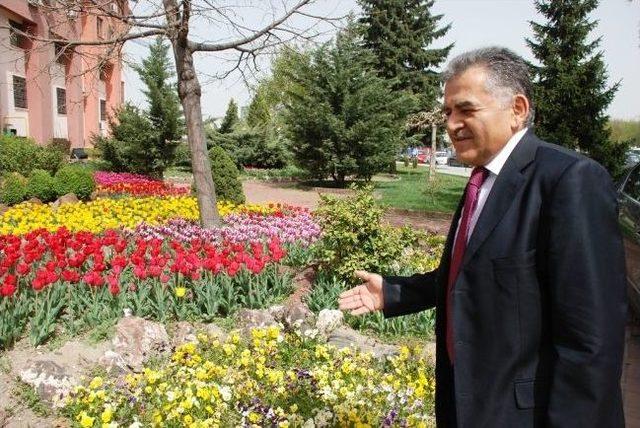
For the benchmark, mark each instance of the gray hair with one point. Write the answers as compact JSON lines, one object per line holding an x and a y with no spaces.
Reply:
{"x":508,"y":73}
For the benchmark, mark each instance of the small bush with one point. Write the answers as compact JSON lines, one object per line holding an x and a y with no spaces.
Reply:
{"x":225,"y":176}
{"x":23,"y":155}
{"x":183,"y":155}
{"x":13,"y":189}
{"x":61,"y":144}
{"x":354,"y":238}
{"x":41,"y":185}
{"x":75,"y":179}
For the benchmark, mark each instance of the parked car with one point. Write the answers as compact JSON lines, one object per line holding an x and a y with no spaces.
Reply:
{"x":629,"y":220}
{"x":442,"y":158}
{"x":422,"y":156}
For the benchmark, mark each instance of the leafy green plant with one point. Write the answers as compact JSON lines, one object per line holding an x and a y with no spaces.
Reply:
{"x":18,"y":154}
{"x":225,"y":176}
{"x":354,"y":238}
{"x":75,"y":179}
{"x":13,"y":189}
{"x":41,"y":185}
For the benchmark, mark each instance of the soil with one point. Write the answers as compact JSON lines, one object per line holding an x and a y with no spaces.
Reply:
{"x":290,"y":193}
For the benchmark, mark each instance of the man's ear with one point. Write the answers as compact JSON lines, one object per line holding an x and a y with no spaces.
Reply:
{"x":520,"y":109}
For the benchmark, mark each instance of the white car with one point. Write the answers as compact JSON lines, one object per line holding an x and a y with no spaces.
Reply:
{"x":442,"y":158}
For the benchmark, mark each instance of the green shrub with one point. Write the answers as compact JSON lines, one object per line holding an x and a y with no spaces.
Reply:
{"x":23,"y":155}
{"x":251,"y":147}
{"x":75,"y":179}
{"x":225,"y":176}
{"x":355,"y":238}
{"x":41,"y":185}
{"x":183,"y":155}
{"x":13,"y":189}
{"x":63,"y":145}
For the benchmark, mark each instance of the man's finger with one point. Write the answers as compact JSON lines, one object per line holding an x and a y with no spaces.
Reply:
{"x":350,"y":293}
{"x":360,"y":311}
{"x":363,"y":275}
{"x":345,"y":305}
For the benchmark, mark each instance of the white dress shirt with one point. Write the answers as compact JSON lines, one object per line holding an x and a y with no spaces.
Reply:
{"x":494,"y":166}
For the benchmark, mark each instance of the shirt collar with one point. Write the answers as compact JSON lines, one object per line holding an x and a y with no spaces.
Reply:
{"x":495,"y":165}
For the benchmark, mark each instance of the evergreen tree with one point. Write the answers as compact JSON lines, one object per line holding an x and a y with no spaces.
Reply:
{"x":164,"y":106}
{"x":400,"y":33}
{"x":258,"y":114}
{"x":230,"y":118}
{"x":342,"y":118}
{"x":571,"y":92}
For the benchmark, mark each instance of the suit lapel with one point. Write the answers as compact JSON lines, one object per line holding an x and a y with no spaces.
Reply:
{"x":503,"y":193}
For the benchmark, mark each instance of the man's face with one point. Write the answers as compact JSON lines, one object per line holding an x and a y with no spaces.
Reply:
{"x":479,"y":123}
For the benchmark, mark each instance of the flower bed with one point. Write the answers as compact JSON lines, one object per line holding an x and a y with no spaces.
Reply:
{"x":84,"y":279}
{"x":276,"y":380}
{"x":289,"y":224}
{"x":115,"y":183}
{"x":105,"y":213}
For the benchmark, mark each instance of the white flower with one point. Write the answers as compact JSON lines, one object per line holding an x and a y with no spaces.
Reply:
{"x":225,"y":392}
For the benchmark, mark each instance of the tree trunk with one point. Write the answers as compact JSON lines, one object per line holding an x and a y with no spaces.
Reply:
{"x":432,"y":162}
{"x":189,"y":91}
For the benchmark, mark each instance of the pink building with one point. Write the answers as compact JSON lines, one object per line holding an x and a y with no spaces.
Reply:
{"x":49,"y":91}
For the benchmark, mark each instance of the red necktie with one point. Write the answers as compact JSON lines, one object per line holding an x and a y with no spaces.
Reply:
{"x":478,"y":175}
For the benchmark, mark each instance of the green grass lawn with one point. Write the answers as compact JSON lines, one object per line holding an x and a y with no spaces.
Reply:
{"x":412,"y":191}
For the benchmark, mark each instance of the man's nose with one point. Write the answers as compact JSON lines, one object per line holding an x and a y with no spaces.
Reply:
{"x":453,"y":123}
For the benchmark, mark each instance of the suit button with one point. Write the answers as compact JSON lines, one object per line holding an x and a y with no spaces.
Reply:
{"x":459,"y":343}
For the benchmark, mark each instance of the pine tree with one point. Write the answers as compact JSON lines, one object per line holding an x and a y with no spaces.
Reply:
{"x":400,"y":33}
{"x":342,"y":118}
{"x":230,"y":118}
{"x":571,"y":92}
{"x":164,"y":106}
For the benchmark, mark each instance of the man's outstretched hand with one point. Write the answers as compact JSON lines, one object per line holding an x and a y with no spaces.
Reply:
{"x":364,"y":298}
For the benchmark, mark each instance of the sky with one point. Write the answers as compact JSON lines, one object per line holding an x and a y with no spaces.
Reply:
{"x":475,"y":23}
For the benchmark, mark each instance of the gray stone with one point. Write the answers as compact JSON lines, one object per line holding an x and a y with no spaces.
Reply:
{"x":35,"y":201}
{"x":298,"y":314}
{"x":69,"y":198}
{"x":50,"y":381}
{"x":328,"y":321}
{"x":137,"y":339}
{"x":214,"y":331}
{"x":113,"y":363}
{"x":344,"y":337}
{"x":182,"y":332}
{"x":249,"y":319}
{"x":429,"y":352}
{"x":3,"y":208}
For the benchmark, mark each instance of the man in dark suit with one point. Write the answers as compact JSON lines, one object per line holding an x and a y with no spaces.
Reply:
{"x":530,"y":292}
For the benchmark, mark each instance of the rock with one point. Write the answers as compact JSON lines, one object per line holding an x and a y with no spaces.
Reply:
{"x":277,"y":312}
{"x":182,"y":332}
{"x":214,"y":331}
{"x":50,"y":381}
{"x":249,"y":319}
{"x":328,"y":321}
{"x":69,"y":198}
{"x":113,"y":363}
{"x":298,"y":314}
{"x":429,"y":352}
{"x":137,"y":339}
{"x":35,"y":201}
{"x":344,"y":337}
{"x":3,"y":209}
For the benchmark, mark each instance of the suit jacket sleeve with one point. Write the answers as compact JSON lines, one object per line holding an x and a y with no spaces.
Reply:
{"x":586,"y":278}
{"x":408,"y":294}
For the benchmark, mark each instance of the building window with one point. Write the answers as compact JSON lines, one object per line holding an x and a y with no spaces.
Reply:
{"x":61,"y":100}
{"x":19,"y":92}
{"x":103,"y":110}
{"x":99,"y":25}
{"x":15,"y":38}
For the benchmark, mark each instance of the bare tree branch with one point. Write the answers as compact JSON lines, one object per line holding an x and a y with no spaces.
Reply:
{"x":212,"y":47}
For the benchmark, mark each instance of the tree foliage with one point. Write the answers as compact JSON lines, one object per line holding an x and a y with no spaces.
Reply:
{"x":342,"y":118}
{"x":230,"y":119}
{"x":401,"y":34}
{"x":571,"y":91}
